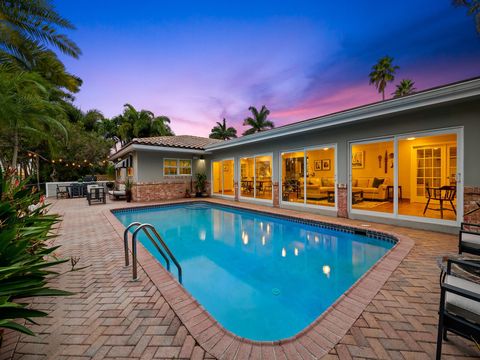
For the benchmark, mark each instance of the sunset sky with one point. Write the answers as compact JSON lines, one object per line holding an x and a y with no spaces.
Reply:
{"x":200,"y":61}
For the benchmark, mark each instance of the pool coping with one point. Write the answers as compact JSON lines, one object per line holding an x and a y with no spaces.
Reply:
{"x":317,"y":339}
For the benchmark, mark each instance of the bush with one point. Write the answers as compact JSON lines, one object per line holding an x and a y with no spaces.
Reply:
{"x":26,"y":258}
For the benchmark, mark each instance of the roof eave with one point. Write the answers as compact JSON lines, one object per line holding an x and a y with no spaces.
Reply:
{"x":156,"y":148}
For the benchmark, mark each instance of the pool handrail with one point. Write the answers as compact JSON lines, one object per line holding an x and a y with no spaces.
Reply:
{"x":125,"y":240}
{"x":146,"y":229}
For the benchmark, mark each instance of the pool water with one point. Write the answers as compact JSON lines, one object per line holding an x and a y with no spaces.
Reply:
{"x":261,"y":277}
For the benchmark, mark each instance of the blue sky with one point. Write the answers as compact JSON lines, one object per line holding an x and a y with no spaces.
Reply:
{"x":197,"y":62}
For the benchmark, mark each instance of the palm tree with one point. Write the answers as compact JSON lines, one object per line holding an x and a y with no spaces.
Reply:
{"x":143,"y":123}
{"x":406,"y":87}
{"x":258,"y":122}
{"x":30,"y":26}
{"x":382,"y":73}
{"x":26,"y":109}
{"x":222,"y":132}
{"x":92,"y":119}
{"x":473,"y":9}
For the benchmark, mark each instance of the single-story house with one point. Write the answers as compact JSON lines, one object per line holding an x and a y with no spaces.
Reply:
{"x":393,"y":161}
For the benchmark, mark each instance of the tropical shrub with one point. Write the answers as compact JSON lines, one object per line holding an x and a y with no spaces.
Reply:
{"x":26,"y":258}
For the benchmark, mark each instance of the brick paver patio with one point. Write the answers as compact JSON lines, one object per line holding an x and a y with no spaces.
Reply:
{"x":112,"y":317}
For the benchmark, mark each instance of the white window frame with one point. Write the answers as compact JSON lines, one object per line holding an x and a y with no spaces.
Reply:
{"x":254,"y":157}
{"x":335,"y":177}
{"x":177,"y":166}
{"x":395,"y":138}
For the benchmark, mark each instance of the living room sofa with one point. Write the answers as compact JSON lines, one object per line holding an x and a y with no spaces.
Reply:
{"x":317,"y":188}
{"x":369,"y":188}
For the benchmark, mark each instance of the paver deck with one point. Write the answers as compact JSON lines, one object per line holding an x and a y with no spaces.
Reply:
{"x":112,"y":317}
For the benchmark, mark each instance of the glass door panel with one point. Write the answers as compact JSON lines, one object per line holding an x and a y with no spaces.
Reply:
{"x":293,"y":176}
{"x":427,"y":168}
{"x":247,"y":177}
{"x":228,"y":177}
{"x":263,"y":177}
{"x":372,"y":169}
{"x":217,"y":177}
{"x":320,"y":183}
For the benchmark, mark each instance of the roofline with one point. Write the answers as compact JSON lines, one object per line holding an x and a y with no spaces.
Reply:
{"x":430,"y":97}
{"x":156,"y":148}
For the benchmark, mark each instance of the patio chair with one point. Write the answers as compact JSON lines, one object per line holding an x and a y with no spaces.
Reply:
{"x":469,"y":239}
{"x":459,"y":306}
{"x":96,"y":194}
{"x":119,"y":193}
{"x":62,"y":192}
{"x":443,"y":195}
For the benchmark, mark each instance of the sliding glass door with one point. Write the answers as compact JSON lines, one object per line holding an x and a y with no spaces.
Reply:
{"x":426,"y":184}
{"x":256,"y":177}
{"x":309,"y":176}
{"x":223,"y":177}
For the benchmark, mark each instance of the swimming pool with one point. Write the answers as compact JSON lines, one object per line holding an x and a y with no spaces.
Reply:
{"x":262,"y":277}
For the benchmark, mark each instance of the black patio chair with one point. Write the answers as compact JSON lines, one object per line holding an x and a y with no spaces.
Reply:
{"x":469,"y":238}
{"x":459,"y":305}
{"x":443,"y":195}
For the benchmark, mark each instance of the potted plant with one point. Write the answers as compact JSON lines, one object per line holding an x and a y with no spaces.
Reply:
{"x":201,"y":179}
{"x":128,"y":190}
{"x":187,"y":193}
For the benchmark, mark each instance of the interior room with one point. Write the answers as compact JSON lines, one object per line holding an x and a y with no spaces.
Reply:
{"x":427,"y":168}
{"x":256,"y":177}
{"x":223,"y":172}
{"x":316,"y":185}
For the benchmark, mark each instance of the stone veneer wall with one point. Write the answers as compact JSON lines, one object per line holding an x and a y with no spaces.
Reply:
{"x":471,"y":196}
{"x":342,"y":201}
{"x":276,"y":194}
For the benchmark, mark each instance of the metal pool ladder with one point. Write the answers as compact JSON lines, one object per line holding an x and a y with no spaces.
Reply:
{"x":156,"y":240}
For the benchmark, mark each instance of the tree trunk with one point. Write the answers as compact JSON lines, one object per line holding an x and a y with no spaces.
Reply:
{"x":15,"y":149}
{"x":383,"y":95}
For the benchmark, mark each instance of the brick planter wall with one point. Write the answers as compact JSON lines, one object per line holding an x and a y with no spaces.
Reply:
{"x":471,"y":195}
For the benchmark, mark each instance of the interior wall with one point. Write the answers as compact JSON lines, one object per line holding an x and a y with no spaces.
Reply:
{"x":373,"y":167}
{"x":405,"y":150}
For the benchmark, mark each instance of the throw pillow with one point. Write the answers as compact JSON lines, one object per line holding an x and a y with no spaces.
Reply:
{"x":377,"y":182}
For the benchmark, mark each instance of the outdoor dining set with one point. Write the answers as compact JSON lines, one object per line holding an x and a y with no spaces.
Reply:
{"x":89,"y":189}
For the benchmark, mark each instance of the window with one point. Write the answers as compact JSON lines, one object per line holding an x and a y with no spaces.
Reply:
{"x":185,"y":167}
{"x":173,"y":167}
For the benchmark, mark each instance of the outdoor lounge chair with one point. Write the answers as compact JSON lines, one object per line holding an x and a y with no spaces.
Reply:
{"x":118,"y":194}
{"x":469,"y":240}
{"x":459,"y":305}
